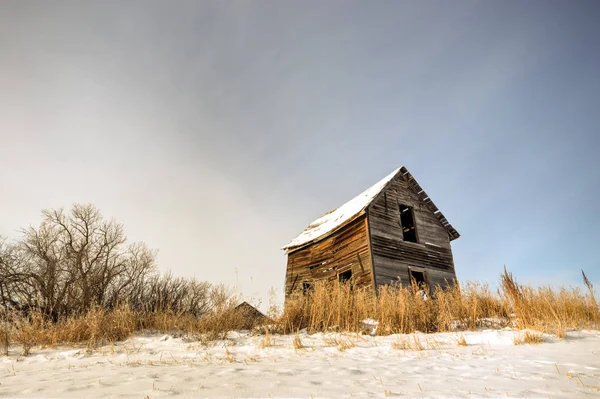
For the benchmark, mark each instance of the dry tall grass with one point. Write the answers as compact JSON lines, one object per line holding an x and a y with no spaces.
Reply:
{"x":99,"y":327}
{"x":546,"y":310}
{"x":327,"y":308}
{"x":406,"y":310}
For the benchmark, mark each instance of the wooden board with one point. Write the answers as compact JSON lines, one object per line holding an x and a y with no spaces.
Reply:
{"x":324,"y":259}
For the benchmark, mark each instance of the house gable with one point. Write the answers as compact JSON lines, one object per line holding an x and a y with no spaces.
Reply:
{"x":393,"y":256}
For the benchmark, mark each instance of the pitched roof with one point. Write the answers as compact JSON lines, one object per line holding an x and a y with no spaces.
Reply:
{"x":249,"y":310}
{"x":333,"y":220}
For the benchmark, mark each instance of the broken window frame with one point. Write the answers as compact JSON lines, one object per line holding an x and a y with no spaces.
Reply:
{"x":344,"y":280}
{"x":307,"y":287}
{"x":414,"y":223}
{"x":425,"y":285}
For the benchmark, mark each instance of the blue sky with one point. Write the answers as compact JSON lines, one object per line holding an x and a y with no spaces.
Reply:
{"x":216,"y":131}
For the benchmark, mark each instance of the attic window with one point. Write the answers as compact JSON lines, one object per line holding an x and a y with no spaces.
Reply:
{"x":345,"y":276}
{"x":407,"y":222}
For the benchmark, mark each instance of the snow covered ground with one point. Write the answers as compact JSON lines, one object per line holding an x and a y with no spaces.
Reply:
{"x":330,"y":365}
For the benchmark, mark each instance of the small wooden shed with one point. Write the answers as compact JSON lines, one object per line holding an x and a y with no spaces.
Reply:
{"x":392,"y":233}
{"x":251,"y":315}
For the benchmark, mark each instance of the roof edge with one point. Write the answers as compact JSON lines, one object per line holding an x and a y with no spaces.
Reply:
{"x":354,"y":213}
{"x":289,"y":250}
{"x":423,"y":196}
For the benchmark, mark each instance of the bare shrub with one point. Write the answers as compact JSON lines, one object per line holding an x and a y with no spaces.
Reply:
{"x":76,"y":261}
{"x":70,"y":263}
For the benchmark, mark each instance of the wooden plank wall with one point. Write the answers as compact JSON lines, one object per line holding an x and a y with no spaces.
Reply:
{"x":392,"y":257}
{"x":324,"y":259}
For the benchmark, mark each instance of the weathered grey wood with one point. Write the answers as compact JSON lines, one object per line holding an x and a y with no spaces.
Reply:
{"x":392,"y":256}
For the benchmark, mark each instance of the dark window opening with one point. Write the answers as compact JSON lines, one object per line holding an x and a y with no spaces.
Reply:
{"x":417,"y":278}
{"x":407,"y":222}
{"x":306,"y":287}
{"x":345,"y":276}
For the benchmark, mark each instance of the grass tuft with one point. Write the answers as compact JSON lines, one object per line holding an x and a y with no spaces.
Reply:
{"x":461,"y":341}
{"x":528,"y":337}
{"x":297,"y":342}
{"x":266,"y":342}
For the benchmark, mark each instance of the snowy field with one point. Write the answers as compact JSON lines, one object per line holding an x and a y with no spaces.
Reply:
{"x":329,"y":365}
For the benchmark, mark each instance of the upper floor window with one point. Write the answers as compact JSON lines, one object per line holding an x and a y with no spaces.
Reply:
{"x":407,"y":222}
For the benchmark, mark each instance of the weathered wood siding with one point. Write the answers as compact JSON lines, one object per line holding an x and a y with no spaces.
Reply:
{"x":345,"y":249}
{"x":392,"y":256}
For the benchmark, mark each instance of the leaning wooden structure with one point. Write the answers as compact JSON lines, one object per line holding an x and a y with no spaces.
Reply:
{"x":392,"y":233}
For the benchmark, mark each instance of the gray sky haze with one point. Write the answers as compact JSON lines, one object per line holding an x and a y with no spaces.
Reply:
{"x":216,"y":131}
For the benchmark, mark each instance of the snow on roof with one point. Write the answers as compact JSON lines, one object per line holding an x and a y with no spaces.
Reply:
{"x":338,"y":217}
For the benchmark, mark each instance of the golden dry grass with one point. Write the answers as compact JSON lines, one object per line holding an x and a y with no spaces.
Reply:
{"x":4,"y":338}
{"x":266,"y":341}
{"x":461,"y":341}
{"x":400,"y":344}
{"x":297,"y":342}
{"x":100,"y":327}
{"x":402,"y":310}
{"x":332,"y":308}
{"x":528,"y":337}
{"x":414,"y":343}
{"x":340,"y":342}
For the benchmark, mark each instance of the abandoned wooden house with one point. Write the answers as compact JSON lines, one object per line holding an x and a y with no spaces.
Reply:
{"x":392,"y":233}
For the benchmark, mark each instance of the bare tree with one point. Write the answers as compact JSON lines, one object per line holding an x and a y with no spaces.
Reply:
{"x":73,"y":261}
{"x":77,"y":259}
